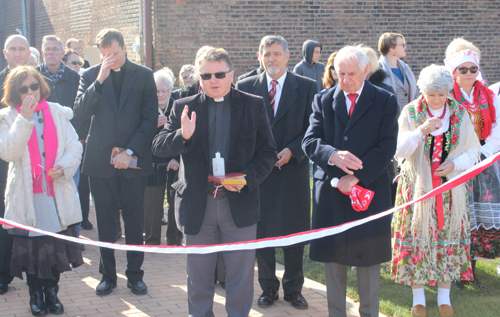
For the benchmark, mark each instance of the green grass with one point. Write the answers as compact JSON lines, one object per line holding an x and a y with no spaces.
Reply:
{"x":396,"y":300}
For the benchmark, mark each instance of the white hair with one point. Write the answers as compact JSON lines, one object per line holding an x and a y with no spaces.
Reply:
{"x":352,"y":54}
{"x":186,"y":68}
{"x":435,"y":78}
{"x":372,"y":57}
{"x":460,"y":44}
{"x":165,"y":75}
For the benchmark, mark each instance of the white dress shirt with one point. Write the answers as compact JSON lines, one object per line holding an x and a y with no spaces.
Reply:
{"x":279,"y":89}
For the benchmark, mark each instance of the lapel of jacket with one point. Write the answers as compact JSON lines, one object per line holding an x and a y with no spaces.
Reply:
{"x":201,"y":109}
{"x":288,"y":96}
{"x":236,"y":120}
{"x":260,"y":89}
{"x":109,"y":92}
{"x":339,"y":105}
{"x":364,"y":102}
{"x":128,"y":82}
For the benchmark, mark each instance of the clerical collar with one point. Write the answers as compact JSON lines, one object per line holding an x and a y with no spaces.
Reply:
{"x":221,"y":99}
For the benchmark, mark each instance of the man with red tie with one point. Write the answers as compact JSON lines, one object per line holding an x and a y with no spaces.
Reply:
{"x":352,"y":136}
{"x":285,"y":201}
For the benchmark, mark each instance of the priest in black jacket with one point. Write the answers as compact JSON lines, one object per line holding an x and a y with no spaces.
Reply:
{"x":235,"y":124}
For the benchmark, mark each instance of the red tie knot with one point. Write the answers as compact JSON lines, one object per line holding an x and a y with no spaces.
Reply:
{"x":352,"y":97}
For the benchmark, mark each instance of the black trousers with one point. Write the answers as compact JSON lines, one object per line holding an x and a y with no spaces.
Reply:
{"x":109,"y":195}
{"x":6,"y":241}
{"x":84,"y":192}
{"x":293,"y":278}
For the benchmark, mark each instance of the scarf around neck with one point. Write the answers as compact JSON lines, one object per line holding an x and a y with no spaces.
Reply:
{"x":50,"y":141}
{"x":483,"y":108}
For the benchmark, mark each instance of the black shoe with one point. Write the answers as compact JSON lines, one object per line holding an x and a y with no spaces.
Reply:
{"x":137,"y":287}
{"x":297,"y":300}
{"x":105,"y":287}
{"x":163,"y":222}
{"x":37,"y":305}
{"x":268,"y":297}
{"x":52,"y":302}
{"x":86,"y":225}
{"x":4,"y":288}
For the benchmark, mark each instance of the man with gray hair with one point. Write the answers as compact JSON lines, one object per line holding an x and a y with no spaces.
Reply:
{"x":16,"y":51}
{"x":352,"y":137}
{"x":233,"y":124}
{"x":285,"y":200}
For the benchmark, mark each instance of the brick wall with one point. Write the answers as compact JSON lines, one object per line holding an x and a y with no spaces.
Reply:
{"x":81,"y":19}
{"x":181,"y":27}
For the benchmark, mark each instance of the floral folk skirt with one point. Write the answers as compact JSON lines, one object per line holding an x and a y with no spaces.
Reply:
{"x":484,"y":209}
{"x":412,"y":264}
{"x":40,"y":255}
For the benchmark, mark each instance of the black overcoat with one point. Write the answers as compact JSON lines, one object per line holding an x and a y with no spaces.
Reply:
{"x":252,"y":151}
{"x":370,"y":134}
{"x":285,"y":196}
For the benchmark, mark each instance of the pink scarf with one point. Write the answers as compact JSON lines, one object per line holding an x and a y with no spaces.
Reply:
{"x":50,"y":141}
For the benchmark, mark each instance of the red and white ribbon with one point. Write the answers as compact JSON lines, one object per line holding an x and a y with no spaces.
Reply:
{"x":269,"y":242}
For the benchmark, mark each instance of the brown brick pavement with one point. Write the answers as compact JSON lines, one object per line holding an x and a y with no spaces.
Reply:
{"x":165,"y":276}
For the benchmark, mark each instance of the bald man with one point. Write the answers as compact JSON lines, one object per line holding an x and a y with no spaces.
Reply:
{"x":16,"y":51}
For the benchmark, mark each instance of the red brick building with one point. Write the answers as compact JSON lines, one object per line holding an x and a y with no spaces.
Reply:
{"x":179,"y":28}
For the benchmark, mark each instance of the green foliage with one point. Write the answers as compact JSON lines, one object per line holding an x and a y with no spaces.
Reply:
{"x":396,"y":300}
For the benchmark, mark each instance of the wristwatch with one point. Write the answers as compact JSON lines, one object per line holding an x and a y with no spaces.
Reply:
{"x":129,"y":152}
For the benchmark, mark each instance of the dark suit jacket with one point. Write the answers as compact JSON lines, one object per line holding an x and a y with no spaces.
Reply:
{"x":254,"y":72}
{"x":285,"y":198}
{"x":252,"y":151}
{"x":370,"y":134}
{"x":3,"y":75}
{"x":129,"y":124}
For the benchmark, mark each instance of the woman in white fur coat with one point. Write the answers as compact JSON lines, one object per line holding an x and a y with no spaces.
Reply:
{"x":38,"y":140}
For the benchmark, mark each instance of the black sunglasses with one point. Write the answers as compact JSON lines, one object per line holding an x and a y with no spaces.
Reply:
{"x":464,"y":70}
{"x":218,"y":75}
{"x":75,"y":63}
{"x":33,"y":87}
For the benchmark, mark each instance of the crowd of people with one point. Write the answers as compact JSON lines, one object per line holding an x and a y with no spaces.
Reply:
{"x":120,"y":132}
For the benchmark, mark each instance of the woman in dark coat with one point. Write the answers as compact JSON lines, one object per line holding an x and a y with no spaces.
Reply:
{"x":155,"y":190}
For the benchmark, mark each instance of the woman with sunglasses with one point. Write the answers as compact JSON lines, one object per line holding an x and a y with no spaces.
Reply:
{"x":40,"y":143}
{"x":482,"y":106}
{"x":72,"y":60}
{"x":392,"y":47}
{"x":330,"y":77}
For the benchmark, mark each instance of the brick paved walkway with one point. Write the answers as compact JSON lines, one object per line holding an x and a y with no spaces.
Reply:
{"x":165,"y":276}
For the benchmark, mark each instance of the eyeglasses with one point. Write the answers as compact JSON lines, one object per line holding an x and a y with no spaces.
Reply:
{"x":75,"y":63}
{"x":403,"y":44}
{"x":464,"y":70}
{"x":53,"y":50}
{"x":33,"y":87}
{"x":218,"y":75}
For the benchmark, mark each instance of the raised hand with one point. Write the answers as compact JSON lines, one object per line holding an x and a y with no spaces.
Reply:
{"x":28,"y":107}
{"x":107,"y":62}
{"x":431,"y":125}
{"x":346,"y":161}
{"x":188,"y":125}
